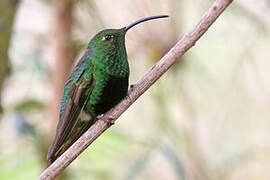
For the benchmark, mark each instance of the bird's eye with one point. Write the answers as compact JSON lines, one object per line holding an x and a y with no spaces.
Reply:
{"x":107,"y":37}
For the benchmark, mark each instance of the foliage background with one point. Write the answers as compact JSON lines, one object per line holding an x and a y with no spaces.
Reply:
{"x":207,"y":118}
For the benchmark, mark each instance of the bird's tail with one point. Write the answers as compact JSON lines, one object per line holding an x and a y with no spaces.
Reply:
{"x":76,"y":132}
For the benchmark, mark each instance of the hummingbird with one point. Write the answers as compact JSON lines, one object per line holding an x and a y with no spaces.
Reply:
{"x":97,"y":83}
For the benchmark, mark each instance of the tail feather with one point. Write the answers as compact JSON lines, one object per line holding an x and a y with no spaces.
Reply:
{"x":81,"y":127}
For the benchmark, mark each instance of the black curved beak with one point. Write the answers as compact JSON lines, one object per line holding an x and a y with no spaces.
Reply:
{"x":143,"y":20}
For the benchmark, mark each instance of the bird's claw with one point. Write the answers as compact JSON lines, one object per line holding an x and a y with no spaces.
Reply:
{"x":100,"y":116}
{"x":107,"y":119}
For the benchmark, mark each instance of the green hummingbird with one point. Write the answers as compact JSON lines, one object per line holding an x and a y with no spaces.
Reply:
{"x":97,"y":83}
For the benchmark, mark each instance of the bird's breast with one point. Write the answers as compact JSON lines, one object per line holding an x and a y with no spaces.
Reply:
{"x":107,"y":92}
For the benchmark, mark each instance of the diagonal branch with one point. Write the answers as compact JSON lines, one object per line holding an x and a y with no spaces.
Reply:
{"x":108,"y":119}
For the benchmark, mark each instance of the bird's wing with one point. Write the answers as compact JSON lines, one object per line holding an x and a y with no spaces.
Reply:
{"x":70,"y":127}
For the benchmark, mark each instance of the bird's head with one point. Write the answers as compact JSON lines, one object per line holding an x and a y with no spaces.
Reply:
{"x":110,"y":40}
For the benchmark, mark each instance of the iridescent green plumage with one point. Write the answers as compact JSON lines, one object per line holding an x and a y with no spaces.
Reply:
{"x":97,"y":83}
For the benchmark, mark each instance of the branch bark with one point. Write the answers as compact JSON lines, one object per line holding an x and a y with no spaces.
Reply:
{"x":135,"y":91}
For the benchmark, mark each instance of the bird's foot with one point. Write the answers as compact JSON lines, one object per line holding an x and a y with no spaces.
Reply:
{"x":100,"y":116}
{"x":107,"y":119}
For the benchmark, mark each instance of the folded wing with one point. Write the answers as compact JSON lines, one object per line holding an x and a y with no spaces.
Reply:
{"x":71,"y":126}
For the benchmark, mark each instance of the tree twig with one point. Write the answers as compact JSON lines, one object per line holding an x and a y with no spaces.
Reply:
{"x":104,"y":122}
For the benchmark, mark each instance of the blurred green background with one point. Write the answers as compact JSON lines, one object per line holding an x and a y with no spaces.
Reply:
{"x":207,"y":118}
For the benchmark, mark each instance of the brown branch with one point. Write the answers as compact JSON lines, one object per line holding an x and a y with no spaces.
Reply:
{"x":104,"y":122}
